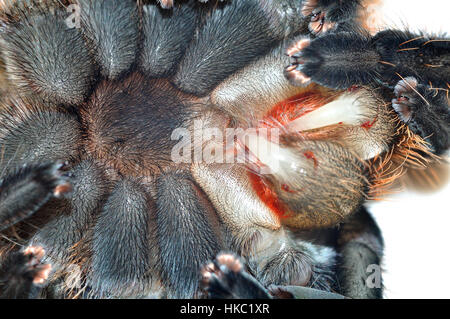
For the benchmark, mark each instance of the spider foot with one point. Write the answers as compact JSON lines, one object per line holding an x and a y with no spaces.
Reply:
{"x":294,"y":71}
{"x":25,"y":191}
{"x":167,"y":4}
{"x":225,"y":277}
{"x":425,"y":110}
{"x":405,"y":94}
{"x":325,"y":15}
{"x":52,"y":176}
{"x":23,"y":273}
{"x":330,"y":61}
{"x":33,"y":267}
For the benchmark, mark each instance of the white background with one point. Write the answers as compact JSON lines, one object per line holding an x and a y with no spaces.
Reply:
{"x":416,"y":226}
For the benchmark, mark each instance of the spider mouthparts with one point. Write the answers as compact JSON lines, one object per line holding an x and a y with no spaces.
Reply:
{"x":347,"y":109}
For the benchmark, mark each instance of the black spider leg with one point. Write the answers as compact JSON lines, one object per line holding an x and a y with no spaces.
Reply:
{"x":37,"y":55}
{"x":426,"y":111}
{"x":330,"y":15}
{"x":361,"y":247}
{"x":121,"y":244}
{"x":22,"y":193}
{"x":225,"y":278}
{"x":71,"y":218}
{"x":166,"y":34}
{"x":341,"y":60}
{"x":22,"y":273}
{"x":213,"y":55}
{"x":188,"y":233}
{"x":112,"y":30}
{"x":168,"y":4}
{"x":338,"y":11}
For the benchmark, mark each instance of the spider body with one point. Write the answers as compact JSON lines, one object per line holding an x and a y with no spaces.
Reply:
{"x":144,"y":105}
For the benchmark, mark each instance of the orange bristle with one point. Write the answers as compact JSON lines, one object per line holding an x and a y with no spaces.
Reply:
{"x":298,"y":105}
{"x":410,"y":151}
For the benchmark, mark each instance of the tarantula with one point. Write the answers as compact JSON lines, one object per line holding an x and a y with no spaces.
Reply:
{"x":140,"y":145}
